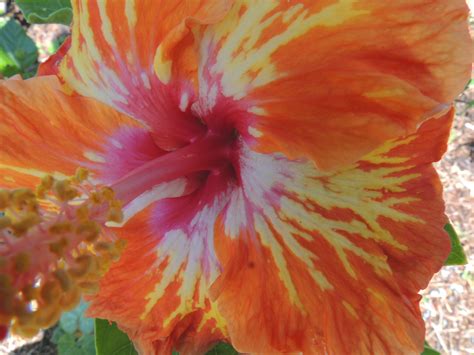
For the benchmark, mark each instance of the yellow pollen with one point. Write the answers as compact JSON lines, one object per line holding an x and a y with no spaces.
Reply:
{"x":61,"y":228}
{"x":51,"y":291}
{"x":58,"y":247}
{"x":4,"y":199}
{"x":107,"y":193}
{"x":81,"y":174}
{"x":82,"y":213}
{"x":71,"y":298}
{"x":22,"y":262}
{"x":104,"y":246}
{"x":116,"y":204}
{"x":41,"y":191}
{"x":23,"y":199}
{"x":64,"y":191}
{"x":84,"y":265}
{"x":96,"y":198}
{"x":5,"y":222}
{"x":29,"y":292}
{"x":89,"y":287}
{"x":53,"y":249}
{"x":47,"y":182}
{"x":26,"y":222}
{"x":89,"y":230}
{"x":64,"y":279}
{"x":115,"y":215}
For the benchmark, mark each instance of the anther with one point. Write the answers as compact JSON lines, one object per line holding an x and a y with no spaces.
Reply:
{"x":96,"y":198}
{"x":41,"y":191}
{"x":22,"y":198}
{"x":20,"y":308}
{"x":64,"y":280}
{"x":4,"y":199}
{"x":58,"y":247}
{"x":26,"y":222}
{"x":103,"y":246}
{"x":62,"y":253}
{"x":82,"y":213}
{"x":50,"y":291}
{"x":5,"y":222}
{"x":29,"y":292}
{"x":49,"y":316}
{"x":116,"y":204}
{"x":64,"y":191}
{"x":83,"y":266}
{"x":71,"y":298}
{"x":81,"y":175}
{"x":25,"y":332}
{"x":88,"y":230}
{"x":115,"y":215}
{"x":61,"y":228}
{"x":107,"y":193}
{"x":47,"y":182}
{"x":22,"y":262}
{"x":89,"y":287}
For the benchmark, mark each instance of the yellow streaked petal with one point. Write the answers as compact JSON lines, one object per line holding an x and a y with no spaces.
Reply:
{"x":45,"y":131}
{"x":320,"y":71}
{"x":331,"y":253}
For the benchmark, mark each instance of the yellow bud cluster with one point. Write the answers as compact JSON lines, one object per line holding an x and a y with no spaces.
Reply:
{"x":52,"y":249}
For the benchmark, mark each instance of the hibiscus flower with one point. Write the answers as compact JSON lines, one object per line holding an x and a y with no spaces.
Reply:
{"x":273,"y":160}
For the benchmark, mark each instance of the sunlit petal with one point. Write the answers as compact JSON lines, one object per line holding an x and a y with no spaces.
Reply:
{"x":332,"y":262}
{"x":121,"y":54}
{"x":170,"y":258}
{"x":332,"y":80}
{"x":44,"y":131}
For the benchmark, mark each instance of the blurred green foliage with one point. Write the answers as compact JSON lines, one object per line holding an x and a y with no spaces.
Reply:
{"x":46,"y":11}
{"x":18,"y":52}
{"x":457,"y":255}
{"x":75,"y":333}
{"x":111,"y":340}
{"x":429,"y":350}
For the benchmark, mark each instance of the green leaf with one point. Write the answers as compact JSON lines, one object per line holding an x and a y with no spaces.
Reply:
{"x":222,"y":349}
{"x":429,"y":350}
{"x":87,"y":344}
{"x":86,"y":325}
{"x":111,"y":340}
{"x":67,"y":345}
{"x":3,"y":7}
{"x":18,"y":52}
{"x":457,"y":255}
{"x":69,"y":322}
{"x":81,"y":308}
{"x":55,"y":44}
{"x":57,"y":334}
{"x":46,"y":11}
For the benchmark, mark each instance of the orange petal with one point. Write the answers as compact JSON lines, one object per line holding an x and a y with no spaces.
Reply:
{"x":44,"y":131}
{"x":158,"y":291}
{"x":51,"y":65}
{"x":332,"y":80}
{"x":332,"y":262}
{"x":196,"y":333}
{"x":120,"y":54}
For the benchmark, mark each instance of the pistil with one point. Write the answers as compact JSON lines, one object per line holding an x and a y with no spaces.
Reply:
{"x":205,"y":154}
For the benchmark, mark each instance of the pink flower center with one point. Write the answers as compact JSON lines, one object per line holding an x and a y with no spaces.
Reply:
{"x":213,"y":152}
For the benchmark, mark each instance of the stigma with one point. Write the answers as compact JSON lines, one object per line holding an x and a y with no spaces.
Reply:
{"x":54,"y":248}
